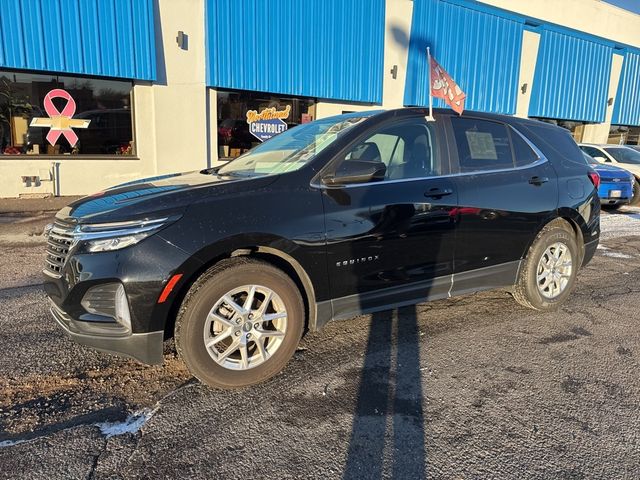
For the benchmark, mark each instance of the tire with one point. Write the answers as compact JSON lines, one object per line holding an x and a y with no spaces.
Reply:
{"x":196,"y":324}
{"x":635,"y":200}
{"x":528,"y":291}
{"x":615,"y":206}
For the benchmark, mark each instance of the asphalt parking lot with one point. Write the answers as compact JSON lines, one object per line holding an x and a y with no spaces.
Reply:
{"x":473,"y":387}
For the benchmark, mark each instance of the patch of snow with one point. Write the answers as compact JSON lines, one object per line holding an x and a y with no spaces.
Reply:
{"x":11,"y":443}
{"x":616,"y":255}
{"x":625,"y":222}
{"x":132,"y":424}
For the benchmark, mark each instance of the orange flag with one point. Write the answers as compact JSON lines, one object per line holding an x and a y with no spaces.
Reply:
{"x":443,"y":86}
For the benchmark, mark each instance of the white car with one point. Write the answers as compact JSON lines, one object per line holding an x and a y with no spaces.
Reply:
{"x":620,"y":156}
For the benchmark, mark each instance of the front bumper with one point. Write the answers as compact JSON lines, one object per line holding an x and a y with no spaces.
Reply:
{"x":143,"y":270}
{"x":144,"y":347}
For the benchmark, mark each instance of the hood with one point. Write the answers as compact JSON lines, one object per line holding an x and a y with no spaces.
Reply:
{"x":155,"y":196}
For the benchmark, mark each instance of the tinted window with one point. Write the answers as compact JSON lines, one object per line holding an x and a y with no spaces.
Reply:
{"x":554,"y":142}
{"x":522,"y":152}
{"x":407,"y":149}
{"x":482,"y":145}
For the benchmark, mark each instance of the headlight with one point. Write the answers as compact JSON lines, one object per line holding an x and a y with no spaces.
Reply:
{"x":106,"y":237}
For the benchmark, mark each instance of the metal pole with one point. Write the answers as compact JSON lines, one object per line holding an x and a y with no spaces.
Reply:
{"x":429,"y":118}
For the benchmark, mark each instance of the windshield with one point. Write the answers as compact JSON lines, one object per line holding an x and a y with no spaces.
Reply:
{"x":292,"y":149}
{"x":624,"y":154}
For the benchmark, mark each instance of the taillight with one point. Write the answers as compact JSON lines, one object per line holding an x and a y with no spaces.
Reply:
{"x":595,"y":179}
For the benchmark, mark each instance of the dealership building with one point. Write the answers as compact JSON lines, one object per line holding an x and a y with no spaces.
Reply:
{"x":95,"y":93}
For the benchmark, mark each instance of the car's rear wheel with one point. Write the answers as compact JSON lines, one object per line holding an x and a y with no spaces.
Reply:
{"x":635,"y":200}
{"x":240,"y":323}
{"x":614,"y":206}
{"x":549,"y":272}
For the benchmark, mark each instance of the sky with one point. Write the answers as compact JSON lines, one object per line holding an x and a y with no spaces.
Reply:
{"x":632,"y":5}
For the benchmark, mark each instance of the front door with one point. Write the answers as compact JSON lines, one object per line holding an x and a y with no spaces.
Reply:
{"x":390,"y":242}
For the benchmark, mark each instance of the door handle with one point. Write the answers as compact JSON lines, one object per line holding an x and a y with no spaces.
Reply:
{"x":438,"y":192}
{"x":538,"y":180}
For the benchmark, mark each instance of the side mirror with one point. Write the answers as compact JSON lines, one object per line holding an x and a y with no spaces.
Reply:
{"x":356,"y":171}
{"x":601,"y":159}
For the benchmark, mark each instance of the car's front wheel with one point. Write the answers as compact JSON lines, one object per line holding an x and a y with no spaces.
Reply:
{"x":549,"y":271}
{"x":240,"y":323}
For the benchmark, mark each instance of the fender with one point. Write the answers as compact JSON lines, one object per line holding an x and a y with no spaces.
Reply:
{"x":310,"y":272}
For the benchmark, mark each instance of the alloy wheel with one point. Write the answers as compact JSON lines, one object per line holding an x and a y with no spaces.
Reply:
{"x":245,"y":327}
{"x":554,"y":270}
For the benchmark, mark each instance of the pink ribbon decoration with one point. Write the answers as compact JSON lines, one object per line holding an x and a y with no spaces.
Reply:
{"x":60,"y":122}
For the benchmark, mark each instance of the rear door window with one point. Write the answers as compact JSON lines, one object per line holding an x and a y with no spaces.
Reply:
{"x":482,"y":145}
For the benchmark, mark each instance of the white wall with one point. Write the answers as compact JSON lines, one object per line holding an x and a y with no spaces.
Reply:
{"x":530,"y":45}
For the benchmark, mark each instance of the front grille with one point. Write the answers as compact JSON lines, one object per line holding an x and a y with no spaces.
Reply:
{"x":59,"y":241}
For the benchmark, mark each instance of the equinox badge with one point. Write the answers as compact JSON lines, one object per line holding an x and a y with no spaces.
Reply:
{"x":355,"y":261}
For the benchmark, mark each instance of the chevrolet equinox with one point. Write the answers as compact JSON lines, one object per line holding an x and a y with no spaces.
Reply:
{"x":331,"y":219}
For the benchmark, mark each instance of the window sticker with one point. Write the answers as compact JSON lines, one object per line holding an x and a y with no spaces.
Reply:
{"x":481,"y":145}
{"x":268,"y":123}
{"x":60,"y":122}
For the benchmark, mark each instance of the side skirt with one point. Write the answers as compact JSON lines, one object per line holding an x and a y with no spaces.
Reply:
{"x":487,"y":278}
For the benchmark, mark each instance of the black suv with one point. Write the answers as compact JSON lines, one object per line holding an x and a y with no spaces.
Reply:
{"x":331,"y":219}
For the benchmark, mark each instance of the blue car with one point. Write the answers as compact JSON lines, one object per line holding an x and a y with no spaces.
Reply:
{"x":616,"y":184}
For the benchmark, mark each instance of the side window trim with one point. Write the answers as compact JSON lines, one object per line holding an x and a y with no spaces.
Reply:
{"x":531,"y":145}
{"x":455,"y":161}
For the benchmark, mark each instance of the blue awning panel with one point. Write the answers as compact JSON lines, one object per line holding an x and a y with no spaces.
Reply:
{"x":626,"y":110}
{"x":479,"y":48}
{"x":571,"y":79}
{"x":329,"y":49}
{"x":111,"y":38}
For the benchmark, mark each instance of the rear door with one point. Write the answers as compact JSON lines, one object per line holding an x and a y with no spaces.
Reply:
{"x":391,"y":241}
{"x":506,"y":191}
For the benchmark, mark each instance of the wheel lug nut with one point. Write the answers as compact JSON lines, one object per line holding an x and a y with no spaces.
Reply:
{"x":250,"y":315}
{"x":238,"y":333}
{"x":238,"y":321}
{"x":256,"y":325}
{"x":248,"y":335}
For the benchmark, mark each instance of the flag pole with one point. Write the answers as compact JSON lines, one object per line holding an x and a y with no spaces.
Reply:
{"x":429,"y":118}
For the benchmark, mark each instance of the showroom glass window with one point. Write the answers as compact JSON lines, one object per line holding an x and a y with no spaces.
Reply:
{"x":104,"y":104}
{"x":234,"y":135}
